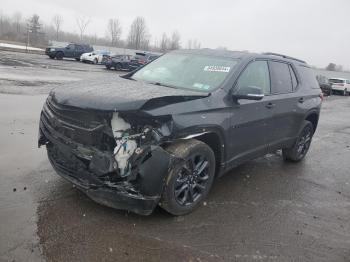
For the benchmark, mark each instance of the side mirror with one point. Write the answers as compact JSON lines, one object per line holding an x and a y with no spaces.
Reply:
{"x":249,"y":93}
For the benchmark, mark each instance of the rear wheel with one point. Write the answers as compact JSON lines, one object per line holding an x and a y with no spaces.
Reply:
{"x":77,"y":59}
{"x":118,"y":67}
{"x":189,"y":180}
{"x":59,"y":55}
{"x":301,"y":146}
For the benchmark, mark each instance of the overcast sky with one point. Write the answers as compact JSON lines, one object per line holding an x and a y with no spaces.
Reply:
{"x":317,"y":31}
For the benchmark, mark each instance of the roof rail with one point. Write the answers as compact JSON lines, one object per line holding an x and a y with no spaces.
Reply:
{"x":284,"y":56}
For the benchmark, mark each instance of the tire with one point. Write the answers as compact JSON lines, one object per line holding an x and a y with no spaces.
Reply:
{"x":95,"y":61}
{"x":302,"y":144}
{"x":59,"y":55}
{"x":118,"y":67}
{"x":190,"y":179}
{"x":345,"y":92}
{"x":77,"y":59}
{"x":52,"y":57}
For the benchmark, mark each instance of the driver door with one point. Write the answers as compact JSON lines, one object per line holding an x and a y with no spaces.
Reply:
{"x":248,"y":123}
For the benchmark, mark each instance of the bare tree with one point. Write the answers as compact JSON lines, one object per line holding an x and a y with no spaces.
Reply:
{"x":164,"y":42}
{"x":138,"y":34}
{"x":114,"y":30}
{"x":34,"y":30}
{"x":17,"y":20}
{"x":175,"y":41}
{"x":2,"y":20}
{"x":82,"y":23}
{"x":189,"y":44}
{"x":196,"y":44}
{"x":57,"y":21}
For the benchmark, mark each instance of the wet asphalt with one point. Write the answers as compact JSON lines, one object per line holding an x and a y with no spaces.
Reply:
{"x":264,"y":210}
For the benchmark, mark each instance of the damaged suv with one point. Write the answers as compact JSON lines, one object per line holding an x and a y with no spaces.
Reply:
{"x":161,"y":134}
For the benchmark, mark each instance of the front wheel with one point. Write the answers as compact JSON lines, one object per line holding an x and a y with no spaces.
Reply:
{"x":118,"y":67}
{"x":190,"y":179}
{"x":301,"y":146}
{"x":59,"y":55}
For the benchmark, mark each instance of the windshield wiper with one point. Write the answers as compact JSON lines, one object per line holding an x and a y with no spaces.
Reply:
{"x":161,"y":84}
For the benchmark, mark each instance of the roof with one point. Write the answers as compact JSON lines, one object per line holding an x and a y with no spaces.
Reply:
{"x":215,"y":52}
{"x":237,"y":54}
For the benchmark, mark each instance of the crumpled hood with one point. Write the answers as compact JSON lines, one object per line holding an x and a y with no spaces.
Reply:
{"x":120,"y":95}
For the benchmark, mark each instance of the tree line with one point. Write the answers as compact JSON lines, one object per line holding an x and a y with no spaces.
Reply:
{"x":33,"y":31}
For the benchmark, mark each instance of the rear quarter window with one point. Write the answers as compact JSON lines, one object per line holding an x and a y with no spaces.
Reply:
{"x":281,"y":80}
{"x":308,"y":77}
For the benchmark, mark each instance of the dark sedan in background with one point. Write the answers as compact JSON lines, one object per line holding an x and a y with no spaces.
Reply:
{"x":118,"y":62}
{"x":325,"y":85}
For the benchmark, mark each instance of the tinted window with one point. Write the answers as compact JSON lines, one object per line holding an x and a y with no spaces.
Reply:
{"x":308,"y":77}
{"x":294,"y":78}
{"x":338,"y":81}
{"x":255,"y":75}
{"x":281,"y":81}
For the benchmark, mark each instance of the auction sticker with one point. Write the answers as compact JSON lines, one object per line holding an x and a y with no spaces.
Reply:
{"x":224,"y":69}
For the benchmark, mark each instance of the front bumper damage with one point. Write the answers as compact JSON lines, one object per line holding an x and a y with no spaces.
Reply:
{"x":93,"y":170}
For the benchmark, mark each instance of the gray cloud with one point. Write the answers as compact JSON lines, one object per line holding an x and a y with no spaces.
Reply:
{"x":314,"y":30}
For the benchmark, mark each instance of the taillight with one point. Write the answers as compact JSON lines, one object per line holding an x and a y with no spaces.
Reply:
{"x":321,"y":96}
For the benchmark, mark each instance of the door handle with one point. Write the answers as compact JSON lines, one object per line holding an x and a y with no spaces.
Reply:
{"x":301,"y":100}
{"x":270,"y":105}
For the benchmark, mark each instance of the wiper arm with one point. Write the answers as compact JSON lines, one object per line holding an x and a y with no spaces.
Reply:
{"x":161,"y":84}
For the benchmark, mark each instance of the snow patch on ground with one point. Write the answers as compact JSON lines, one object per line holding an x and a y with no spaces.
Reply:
{"x":20,"y":47}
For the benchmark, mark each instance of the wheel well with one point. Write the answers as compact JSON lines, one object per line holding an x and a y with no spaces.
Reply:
{"x":214,"y":142}
{"x":313,"y":118}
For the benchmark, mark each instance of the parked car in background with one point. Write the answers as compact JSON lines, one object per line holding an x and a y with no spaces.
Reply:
{"x":161,"y":134}
{"x":95,"y":57}
{"x":118,"y":62}
{"x":340,"y":85}
{"x":72,"y":50}
{"x":141,"y":59}
{"x":325,"y":85}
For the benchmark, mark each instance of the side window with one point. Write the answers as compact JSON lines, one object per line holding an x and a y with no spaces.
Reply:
{"x":294,"y":78}
{"x":256,"y":74}
{"x":71,"y":46}
{"x":79,"y":48}
{"x":281,"y":81}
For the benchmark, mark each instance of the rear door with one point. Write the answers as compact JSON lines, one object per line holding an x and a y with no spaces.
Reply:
{"x":247,"y":136}
{"x":69,"y":50}
{"x":79,"y":50}
{"x":283,"y":103}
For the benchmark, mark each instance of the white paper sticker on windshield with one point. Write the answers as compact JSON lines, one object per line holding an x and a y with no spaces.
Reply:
{"x":224,"y":69}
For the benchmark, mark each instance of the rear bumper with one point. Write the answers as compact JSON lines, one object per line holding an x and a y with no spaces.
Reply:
{"x":339,"y":88}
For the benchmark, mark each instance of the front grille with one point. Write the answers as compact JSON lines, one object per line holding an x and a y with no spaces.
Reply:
{"x":81,"y":126}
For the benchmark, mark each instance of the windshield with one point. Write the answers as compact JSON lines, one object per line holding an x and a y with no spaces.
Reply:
{"x":188,"y":71}
{"x":337,"y":81}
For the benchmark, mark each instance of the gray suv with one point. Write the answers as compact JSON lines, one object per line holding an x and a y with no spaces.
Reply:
{"x":70,"y":51}
{"x":161,"y":134}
